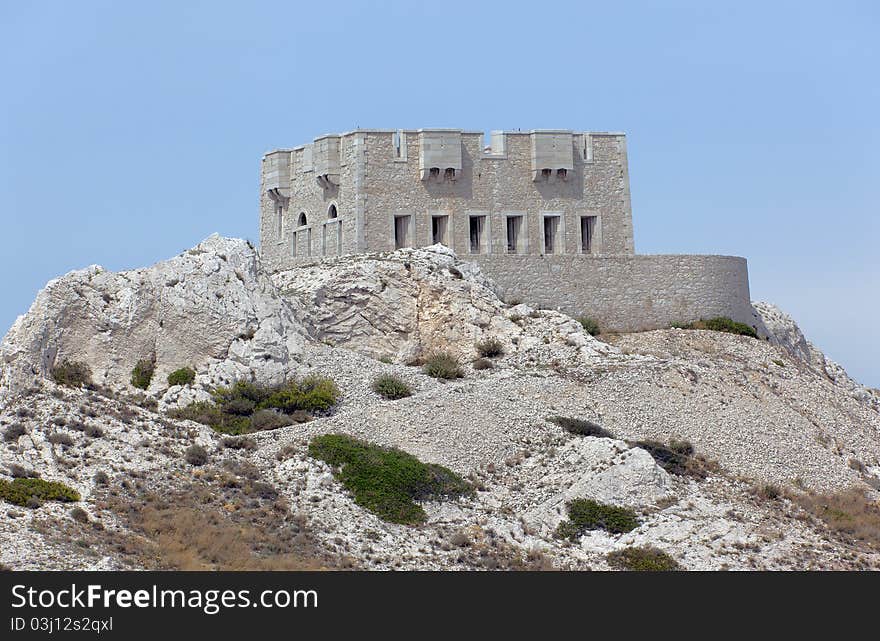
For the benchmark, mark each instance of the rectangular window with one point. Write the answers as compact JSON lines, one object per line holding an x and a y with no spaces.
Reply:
{"x":279,"y":220}
{"x":401,"y":231}
{"x":293,"y":246}
{"x":477,"y":229}
{"x":588,"y":229}
{"x":514,"y":226}
{"x":439,"y":224}
{"x":339,"y":238}
{"x":309,"y":241}
{"x":551,"y":231}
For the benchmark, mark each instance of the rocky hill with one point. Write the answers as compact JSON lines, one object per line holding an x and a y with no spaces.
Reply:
{"x":699,"y":448}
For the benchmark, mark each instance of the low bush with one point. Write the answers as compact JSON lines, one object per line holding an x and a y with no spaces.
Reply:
{"x":196,"y":455}
{"x":678,"y":458}
{"x":483,"y":363}
{"x":13,"y":432}
{"x":850,"y":513}
{"x":31,"y":492}
{"x":101,"y":478}
{"x":72,"y":373}
{"x":238,"y":443}
{"x":644,"y":558}
{"x":142,"y":373}
{"x":720,"y":324}
{"x":490,"y":348}
{"x":182,"y":376}
{"x":93,"y":431}
{"x":17,"y":471}
{"x":580,"y":427}
{"x":60,"y":438}
{"x":442,"y":365}
{"x":249,"y":407}
{"x":590,"y":326}
{"x":391,"y":387}
{"x":586,"y":514}
{"x":386,"y":481}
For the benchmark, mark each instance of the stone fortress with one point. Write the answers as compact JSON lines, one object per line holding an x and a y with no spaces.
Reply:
{"x":546,"y":214}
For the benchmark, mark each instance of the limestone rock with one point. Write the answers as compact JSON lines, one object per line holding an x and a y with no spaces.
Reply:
{"x":407,"y":303}
{"x":782,"y":330}
{"x":211,"y":308}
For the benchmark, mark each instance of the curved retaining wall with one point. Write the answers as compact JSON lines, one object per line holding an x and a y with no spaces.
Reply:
{"x":627,"y":293}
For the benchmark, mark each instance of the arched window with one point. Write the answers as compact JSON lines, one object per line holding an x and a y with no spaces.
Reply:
{"x":302,"y":221}
{"x":332,"y":212}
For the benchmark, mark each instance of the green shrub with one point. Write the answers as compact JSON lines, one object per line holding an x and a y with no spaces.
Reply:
{"x":720,"y":324}
{"x":31,"y":492}
{"x":182,"y":376}
{"x":678,"y":458}
{"x":586,"y":514}
{"x":270,"y":420}
{"x":490,"y":348}
{"x":590,"y":326}
{"x":580,"y":427}
{"x":72,"y":373}
{"x":196,"y":455}
{"x":248,"y":407}
{"x":13,"y":432}
{"x":644,"y":558}
{"x":390,"y":387}
{"x":442,"y":365}
{"x":386,"y":481}
{"x":312,"y":394}
{"x":142,"y":373}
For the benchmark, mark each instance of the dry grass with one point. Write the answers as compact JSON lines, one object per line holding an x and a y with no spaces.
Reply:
{"x":849,"y":513}
{"x":223,"y":523}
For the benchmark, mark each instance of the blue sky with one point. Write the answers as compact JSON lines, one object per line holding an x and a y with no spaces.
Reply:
{"x":130,"y":131}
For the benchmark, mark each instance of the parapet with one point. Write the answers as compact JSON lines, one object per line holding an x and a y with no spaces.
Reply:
{"x":552,"y":155}
{"x":325,"y":158}
{"x":439,"y":154}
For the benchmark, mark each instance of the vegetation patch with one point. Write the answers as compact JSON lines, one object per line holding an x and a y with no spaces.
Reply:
{"x":72,"y":374}
{"x":590,"y":326}
{"x":249,"y":407}
{"x":645,"y":558}
{"x":442,"y":365}
{"x":31,"y":492}
{"x":387,"y":481}
{"x":720,"y":324}
{"x":586,"y":514}
{"x":849,"y":513}
{"x":391,"y":387}
{"x":196,"y":455}
{"x":490,"y":348}
{"x":182,"y":376}
{"x":580,"y":427}
{"x":483,"y":363}
{"x":13,"y":432}
{"x":678,"y":458}
{"x":142,"y":373}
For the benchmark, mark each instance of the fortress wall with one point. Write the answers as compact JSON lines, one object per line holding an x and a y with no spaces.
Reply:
{"x":627,"y":293}
{"x":496,"y":185}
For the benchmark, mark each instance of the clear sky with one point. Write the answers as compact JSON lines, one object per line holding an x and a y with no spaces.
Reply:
{"x":129,"y":131}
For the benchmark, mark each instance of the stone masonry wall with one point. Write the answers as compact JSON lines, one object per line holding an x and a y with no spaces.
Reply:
{"x":627,"y":293}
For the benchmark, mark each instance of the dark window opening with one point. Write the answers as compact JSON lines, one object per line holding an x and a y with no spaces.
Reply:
{"x":588,"y":228}
{"x":332,"y":212}
{"x":551,"y":226}
{"x":302,"y":221}
{"x":476,"y":233}
{"x":438,"y":229}
{"x":401,"y":231}
{"x":514,"y":224}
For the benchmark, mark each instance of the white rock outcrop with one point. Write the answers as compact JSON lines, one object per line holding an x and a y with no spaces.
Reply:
{"x":782,"y":330}
{"x":211,"y":308}
{"x":407,"y":303}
